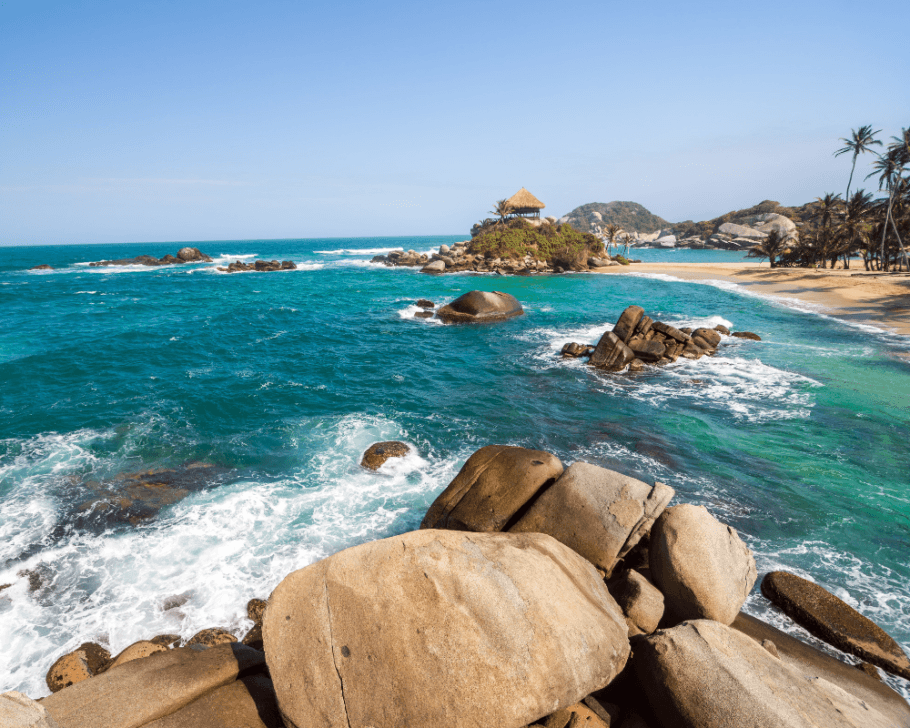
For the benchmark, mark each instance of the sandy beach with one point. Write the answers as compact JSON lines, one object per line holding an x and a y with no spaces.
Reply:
{"x":881,"y":300}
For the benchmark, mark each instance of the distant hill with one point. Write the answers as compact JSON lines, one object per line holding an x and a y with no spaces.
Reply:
{"x":630,"y":216}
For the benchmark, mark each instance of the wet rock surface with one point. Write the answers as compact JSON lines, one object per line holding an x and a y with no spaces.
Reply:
{"x":637,"y":340}
{"x":480,"y":307}
{"x":834,"y":621}
{"x":378,"y":453}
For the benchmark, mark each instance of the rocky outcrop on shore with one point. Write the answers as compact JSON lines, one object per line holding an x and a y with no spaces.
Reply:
{"x":637,"y":339}
{"x":534,"y":594}
{"x":184,"y":255}
{"x":259,"y":266}
{"x":458,"y":258}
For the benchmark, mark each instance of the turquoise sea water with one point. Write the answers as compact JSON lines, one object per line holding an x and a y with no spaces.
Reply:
{"x":281,"y":381}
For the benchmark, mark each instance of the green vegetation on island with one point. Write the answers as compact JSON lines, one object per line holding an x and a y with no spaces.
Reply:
{"x":516,"y":237}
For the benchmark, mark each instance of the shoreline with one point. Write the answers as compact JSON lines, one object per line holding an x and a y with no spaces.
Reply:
{"x":854,"y":296}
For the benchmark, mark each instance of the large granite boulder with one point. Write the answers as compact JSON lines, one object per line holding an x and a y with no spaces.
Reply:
{"x":137,"y":651}
{"x":701,"y":565}
{"x":702,"y":674}
{"x":599,"y":513}
{"x":144,"y":690}
{"x":834,"y":621}
{"x":740,"y":231}
{"x":20,"y":711}
{"x":436,"y":628}
{"x":480,"y":307}
{"x":494,"y":483}
{"x":611,"y":354}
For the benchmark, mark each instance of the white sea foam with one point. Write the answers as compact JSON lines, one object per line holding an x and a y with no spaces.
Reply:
{"x":216,"y":549}
{"x":357,"y":251}
{"x":407,"y":313}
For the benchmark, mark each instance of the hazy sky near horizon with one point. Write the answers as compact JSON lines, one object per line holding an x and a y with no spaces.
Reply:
{"x":157,"y":121}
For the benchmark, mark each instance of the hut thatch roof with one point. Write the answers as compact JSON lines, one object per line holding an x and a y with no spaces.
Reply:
{"x":524,"y":200}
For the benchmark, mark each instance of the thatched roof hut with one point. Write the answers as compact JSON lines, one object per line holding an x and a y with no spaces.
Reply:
{"x":524,"y":203}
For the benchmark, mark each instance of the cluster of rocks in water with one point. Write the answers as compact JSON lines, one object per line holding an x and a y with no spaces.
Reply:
{"x":184,"y":255}
{"x":262,"y":266}
{"x":533,"y":594}
{"x":637,"y":339}
{"x":457,"y":258}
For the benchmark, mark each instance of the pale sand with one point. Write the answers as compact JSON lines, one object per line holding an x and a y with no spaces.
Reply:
{"x":853,"y":295}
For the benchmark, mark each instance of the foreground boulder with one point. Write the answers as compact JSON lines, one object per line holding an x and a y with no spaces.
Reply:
{"x":436,"y":628}
{"x":379,"y":452}
{"x":640,"y":600}
{"x":144,"y":690}
{"x":480,"y":307}
{"x":700,"y":564}
{"x":246,"y":703}
{"x":494,"y":483}
{"x":834,"y":621}
{"x":599,"y":513}
{"x":702,"y":674}
{"x":20,"y":711}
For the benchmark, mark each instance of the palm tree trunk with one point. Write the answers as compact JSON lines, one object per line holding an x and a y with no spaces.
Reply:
{"x":849,"y":181}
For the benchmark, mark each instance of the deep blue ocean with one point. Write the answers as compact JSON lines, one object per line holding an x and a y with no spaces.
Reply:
{"x":277,"y":383}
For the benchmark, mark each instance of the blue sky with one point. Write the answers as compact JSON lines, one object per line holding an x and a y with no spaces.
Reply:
{"x":153,"y":121}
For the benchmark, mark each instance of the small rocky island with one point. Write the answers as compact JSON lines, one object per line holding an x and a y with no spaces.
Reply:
{"x":260,"y":266}
{"x":534,"y":594}
{"x":184,"y":255}
{"x":637,"y":339}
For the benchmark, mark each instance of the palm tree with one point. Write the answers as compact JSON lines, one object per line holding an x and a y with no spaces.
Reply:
{"x":890,"y":168}
{"x":853,"y":231}
{"x":827,"y":207}
{"x":611,"y":233}
{"x":769,"y":248}
{"x":862,"y":140}
{"x":503,"y":209}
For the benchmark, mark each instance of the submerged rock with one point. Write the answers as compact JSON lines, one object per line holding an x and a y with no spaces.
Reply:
{"x":379,"y":452}
{"x":480,"y":307}
{"x":436,"y":628}
{"x":746,"y":335}
{"x":43,"y":266}
{"x":834,"y":621}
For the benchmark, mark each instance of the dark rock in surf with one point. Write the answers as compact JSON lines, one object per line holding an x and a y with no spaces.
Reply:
{"x":573,"y":350}
{"x":425,"y":303}
{"x":835,"y":621}
{"x":627,"y":322}
{"x":86,"y":661}
{"x":480,"y":307}
{"x":611,"y":354}
{"x":211,"y":637}
{"x":424,"y":314}
{"x":43,"y":266}
{"x":184,"y":255}
{"x":746,"y":335}
{"x":379,"y":452}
